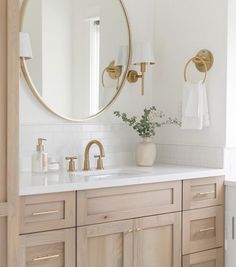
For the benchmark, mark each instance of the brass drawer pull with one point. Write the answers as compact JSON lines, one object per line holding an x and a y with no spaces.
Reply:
{"x":45,"y":212}
{"x":46,"y":258}
{"x":130,"y":231}
{"x":206,"y":193}
{"x":207,"y":229}
{"x":139,"y":229}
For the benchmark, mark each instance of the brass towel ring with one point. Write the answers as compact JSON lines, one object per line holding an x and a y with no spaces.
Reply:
{"x":195,"y":60}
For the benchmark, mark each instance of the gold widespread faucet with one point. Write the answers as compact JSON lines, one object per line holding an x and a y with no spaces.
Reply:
{"x":98,"y":157}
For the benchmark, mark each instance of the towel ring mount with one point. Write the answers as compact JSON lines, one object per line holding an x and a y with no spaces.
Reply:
{"x":203,"y":61}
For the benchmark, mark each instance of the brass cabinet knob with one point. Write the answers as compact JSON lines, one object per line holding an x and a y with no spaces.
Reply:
{"x":72,"y":167}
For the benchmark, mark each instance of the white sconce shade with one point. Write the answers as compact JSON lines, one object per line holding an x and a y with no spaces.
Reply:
{"x":25,"y":46}
{"x":122,"y":58}
{"x":143,"y":53}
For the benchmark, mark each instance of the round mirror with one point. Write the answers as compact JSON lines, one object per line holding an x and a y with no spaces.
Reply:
{"x":75,"y":54}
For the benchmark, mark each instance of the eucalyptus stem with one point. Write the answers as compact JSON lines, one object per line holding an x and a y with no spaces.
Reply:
{"x":147,"y":125}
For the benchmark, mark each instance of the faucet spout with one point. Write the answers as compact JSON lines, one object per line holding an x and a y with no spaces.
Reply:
{"x":100,"y":157}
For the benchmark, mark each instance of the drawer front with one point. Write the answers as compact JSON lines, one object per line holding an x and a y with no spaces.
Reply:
{"x":112,"y":204}
{"x":201,"y":193}
{"x":47,"y":212}
{"x":203,"y":229}
{"x":51,"y":249}
{"x":210,"y":258}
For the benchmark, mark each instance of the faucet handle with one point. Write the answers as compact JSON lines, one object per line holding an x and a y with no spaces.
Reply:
{"x":100,"y":165}
{"x":71,"y":160}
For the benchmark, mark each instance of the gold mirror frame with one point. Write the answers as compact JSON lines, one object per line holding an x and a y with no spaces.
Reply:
{"x":34,"y":90}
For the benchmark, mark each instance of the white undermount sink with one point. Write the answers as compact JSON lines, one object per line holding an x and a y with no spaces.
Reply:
{"x":108,"y":174}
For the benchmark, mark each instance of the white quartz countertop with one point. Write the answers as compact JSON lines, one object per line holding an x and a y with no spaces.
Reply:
{"x":32,"y":184}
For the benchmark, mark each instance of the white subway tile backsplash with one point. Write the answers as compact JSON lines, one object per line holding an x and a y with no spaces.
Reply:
{"x":119,"y":143}
{"x":191,"y":155}
{"x":71,"y":139}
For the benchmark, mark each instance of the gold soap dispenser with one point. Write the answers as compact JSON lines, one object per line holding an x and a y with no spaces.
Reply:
{"x":40,"y":158}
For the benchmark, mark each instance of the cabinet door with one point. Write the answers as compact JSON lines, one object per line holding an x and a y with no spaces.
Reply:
{"x":49,"y":249}
{"x":105,"y":245}
{"x":209,"y":258}
{"x":157,"y":241}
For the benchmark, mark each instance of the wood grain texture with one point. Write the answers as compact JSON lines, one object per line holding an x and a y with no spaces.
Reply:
{"x":113,"y":204}
{"x":12,"y":131}
{"x":201,"y":193}
{"x":203,"y":229}
{"x":59,"y":246}
{"x":209,"y":258}
{"x":3,"y":99}
{"x":105,"y":245}
{"x":3,"y":132}
{"x":9,"y":102}
{"x":47,"y":212}
{"x":157,"y":241}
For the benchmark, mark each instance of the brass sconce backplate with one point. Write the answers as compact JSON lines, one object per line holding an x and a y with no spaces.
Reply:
{"x":132,"y":76}
{"x":114,"y":71}
{"x":208,"y":58}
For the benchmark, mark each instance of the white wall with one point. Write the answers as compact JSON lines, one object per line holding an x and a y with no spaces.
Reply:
{"x":231,"y":77}
{"x":182,"y":28}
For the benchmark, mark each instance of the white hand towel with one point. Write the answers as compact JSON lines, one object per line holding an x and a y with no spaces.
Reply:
{"x":195,"y":113}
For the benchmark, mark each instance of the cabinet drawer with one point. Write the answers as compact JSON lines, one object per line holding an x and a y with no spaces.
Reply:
{"x":54,"y":249}
{"x":210,"y":258}
{"x":203,"y":229}
{"x":112,"y":204}
{"x":200,"y":193}
{"x":47,"y":212}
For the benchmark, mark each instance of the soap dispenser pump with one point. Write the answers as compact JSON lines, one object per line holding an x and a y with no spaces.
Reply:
{"x":40,"y":158}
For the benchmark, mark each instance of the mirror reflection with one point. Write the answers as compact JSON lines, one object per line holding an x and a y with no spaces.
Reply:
{"x":80,"y":53}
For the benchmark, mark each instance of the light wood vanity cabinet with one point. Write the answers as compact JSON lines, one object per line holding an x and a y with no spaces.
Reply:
{"x":201,"y":193}
{"x":48,"y":249}
{"x":113,"y":204}
{"x":209,"y":258}
{"x":203,"y":222}
{"x":204,"y":229}
{"x":47,"y":212}
{"x":150,"y":241}
{"x":130,"y":226}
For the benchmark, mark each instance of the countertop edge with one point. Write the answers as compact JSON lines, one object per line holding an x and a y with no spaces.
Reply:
{"x":149,"y":179}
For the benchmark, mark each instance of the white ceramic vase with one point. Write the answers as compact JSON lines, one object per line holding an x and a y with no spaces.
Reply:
{"x":146,"y":153}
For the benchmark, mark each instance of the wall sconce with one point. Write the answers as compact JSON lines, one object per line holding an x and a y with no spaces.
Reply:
{"x":25,"y":46}
{"x":143,"y":55}
{"x":115,"y":68}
